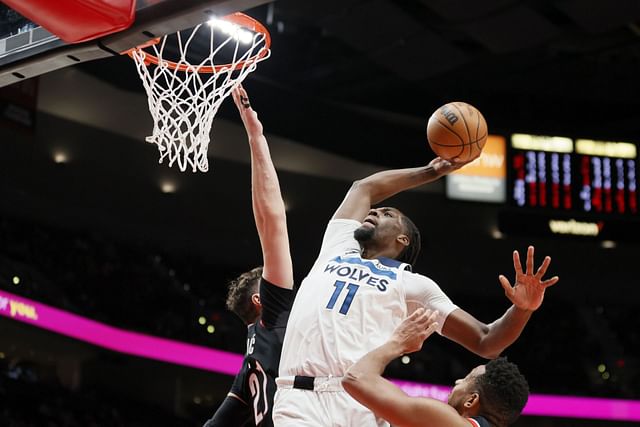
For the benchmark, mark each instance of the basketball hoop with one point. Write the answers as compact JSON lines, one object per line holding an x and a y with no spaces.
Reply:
{"x":185,"y":92}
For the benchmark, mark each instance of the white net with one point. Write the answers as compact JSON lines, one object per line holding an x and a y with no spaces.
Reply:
{"x":184,"y":97}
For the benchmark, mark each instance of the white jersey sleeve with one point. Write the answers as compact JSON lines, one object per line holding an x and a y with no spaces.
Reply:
{"x":338,"y":239}
{"x":420,"y":291}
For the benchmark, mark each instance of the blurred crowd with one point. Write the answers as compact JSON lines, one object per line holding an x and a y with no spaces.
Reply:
{"x":27,"y":402}
{"x":125,"y":285}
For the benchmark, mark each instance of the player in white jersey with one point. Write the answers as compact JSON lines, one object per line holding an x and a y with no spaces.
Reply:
{"x":361,"y":287}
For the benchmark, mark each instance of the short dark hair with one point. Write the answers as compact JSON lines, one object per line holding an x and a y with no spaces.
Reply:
{"x":239,"y":295}
{"x":503,"y":391}
{"x":410,"y":253}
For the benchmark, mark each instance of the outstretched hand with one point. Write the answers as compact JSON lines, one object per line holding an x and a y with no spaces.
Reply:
{"x":444,"y":167}
{"x":411,"y":333}
{"x":247,"y":114}
{"x":528,"y":290}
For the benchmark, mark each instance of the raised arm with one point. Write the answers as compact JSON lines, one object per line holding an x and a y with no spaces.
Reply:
{"x":364,"y":380}
{"x":526,"y":296}
{"x":382,"y":185}
{"x":268,"y":206}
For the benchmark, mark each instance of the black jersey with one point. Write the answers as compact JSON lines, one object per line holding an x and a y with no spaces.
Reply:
{"x":479,"y":422}
{"x":255,"y":384}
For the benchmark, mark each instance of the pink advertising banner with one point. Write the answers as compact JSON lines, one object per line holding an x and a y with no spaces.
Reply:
{"x":548,"y":405}
{"x":115,"y":339}
{"x":136,"y":344}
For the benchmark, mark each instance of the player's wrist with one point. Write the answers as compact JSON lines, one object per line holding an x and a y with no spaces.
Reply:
{"x":524,"y":309}
{"x":432,"y":173}
{"x":395,"y":348}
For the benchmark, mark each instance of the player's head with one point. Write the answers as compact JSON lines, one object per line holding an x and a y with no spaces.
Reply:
{"x":497,"y":391}
{"x":388,"y":231}
{"x":243,"y":297}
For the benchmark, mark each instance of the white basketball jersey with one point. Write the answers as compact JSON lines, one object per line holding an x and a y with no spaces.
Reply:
{"x":345,"y":307}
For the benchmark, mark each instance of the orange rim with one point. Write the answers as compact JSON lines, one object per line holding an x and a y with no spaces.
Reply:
{"x":237,"y":18}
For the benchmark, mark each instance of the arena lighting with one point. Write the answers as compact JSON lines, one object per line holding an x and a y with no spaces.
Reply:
{"x":230,"y":28}
{"x":624,"y":150}
{"x":167,"y":187}
{"x":608,"y":244}
{"x":497,"y":234}
{"x":405,"y":360}
{"x":202,"y":320}
{"x":16,"y":280}
{"x":211,"y":329}
{"x":137,"y":344}
{"x":60,"y":157}
{"x":556,"y":144}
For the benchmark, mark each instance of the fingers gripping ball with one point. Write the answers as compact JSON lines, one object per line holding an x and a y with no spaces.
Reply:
{"x":457,"y":129}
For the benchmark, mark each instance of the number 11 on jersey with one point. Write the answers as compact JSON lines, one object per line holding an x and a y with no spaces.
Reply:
{"x":351,"y":292}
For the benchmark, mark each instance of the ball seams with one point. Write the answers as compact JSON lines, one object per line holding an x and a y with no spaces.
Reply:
{"x":445,"y":144}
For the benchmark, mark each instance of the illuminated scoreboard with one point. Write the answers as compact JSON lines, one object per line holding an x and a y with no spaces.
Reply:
{"x":588,"y":177}
{"x":562,"y":186}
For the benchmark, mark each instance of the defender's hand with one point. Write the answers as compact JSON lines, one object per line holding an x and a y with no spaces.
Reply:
{"x":247,"y":114}
{"x":528,"y":291}
{"x":411,"y":333}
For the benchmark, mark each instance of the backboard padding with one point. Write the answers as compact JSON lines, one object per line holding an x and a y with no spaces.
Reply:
{"x":154,"y":18}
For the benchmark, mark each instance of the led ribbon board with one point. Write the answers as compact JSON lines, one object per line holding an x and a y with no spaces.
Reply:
{"x":122,"y":341}
{"x":136,"y":344}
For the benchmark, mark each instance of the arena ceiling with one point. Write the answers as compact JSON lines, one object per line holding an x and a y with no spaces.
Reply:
{"x":360,"y":77}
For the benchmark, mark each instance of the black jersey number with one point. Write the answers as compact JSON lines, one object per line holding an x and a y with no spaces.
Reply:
{"x":258,"y":389}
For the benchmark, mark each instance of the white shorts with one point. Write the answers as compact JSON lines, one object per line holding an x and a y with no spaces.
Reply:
{"x":328,"y":405}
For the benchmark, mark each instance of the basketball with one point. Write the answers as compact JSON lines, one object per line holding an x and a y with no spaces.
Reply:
{"x":457,"y":129}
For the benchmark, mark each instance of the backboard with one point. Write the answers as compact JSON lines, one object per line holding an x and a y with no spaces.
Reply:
{"x":28,"y":50}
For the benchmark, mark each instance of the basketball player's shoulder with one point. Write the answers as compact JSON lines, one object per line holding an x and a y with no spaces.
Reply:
{"x":419,"y":286}
{"x":341,"y":225}
{"x":411,"y":276}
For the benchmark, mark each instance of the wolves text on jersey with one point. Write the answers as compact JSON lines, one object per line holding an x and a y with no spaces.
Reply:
{"x":361,"y":271}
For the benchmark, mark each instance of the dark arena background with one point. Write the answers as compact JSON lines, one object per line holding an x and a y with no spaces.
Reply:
{"x":114,"y":268}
